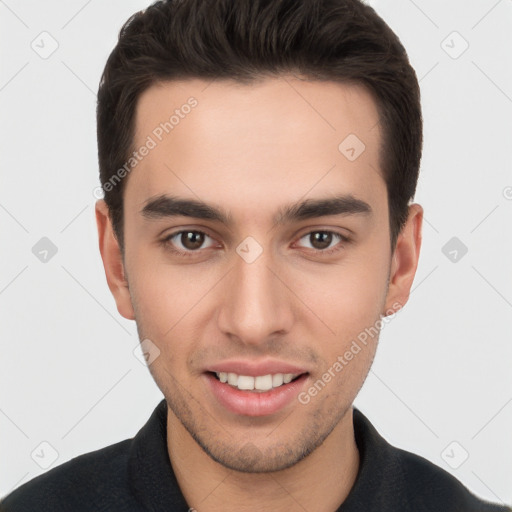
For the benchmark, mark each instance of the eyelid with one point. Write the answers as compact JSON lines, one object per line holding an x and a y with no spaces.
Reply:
{"x":331,"y":251}
{"x":342,"y":238}
{"x":345,"y":234}
{"x":167,"y":240}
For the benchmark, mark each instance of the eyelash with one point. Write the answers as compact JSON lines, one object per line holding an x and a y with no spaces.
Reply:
{"x":166,"y":242}
{"x":328,"y":252}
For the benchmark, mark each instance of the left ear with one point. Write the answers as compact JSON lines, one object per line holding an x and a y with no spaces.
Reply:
{"x":404,"y":261}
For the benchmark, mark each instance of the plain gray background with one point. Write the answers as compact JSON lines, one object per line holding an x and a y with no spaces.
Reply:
{"x":71,"y":375}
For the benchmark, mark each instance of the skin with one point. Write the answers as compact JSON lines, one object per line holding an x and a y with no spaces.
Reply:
{"x":251,"y":150}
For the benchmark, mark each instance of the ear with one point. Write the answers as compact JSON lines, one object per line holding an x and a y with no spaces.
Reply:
{"x":113,"y":261}
{"x":405,"y":260}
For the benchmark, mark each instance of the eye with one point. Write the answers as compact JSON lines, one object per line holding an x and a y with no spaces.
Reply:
{"x":188,"y":241}
{"x":323,"y":241}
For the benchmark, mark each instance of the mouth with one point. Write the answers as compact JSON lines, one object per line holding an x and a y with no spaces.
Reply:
{"x":257,"y":384}
{"x":254,"y":395}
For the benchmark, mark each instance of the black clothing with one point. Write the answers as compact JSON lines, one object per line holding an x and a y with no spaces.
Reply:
{"x":136,"y":475}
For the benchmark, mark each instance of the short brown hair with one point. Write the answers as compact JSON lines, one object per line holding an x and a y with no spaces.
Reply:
{"x":337,"y":40}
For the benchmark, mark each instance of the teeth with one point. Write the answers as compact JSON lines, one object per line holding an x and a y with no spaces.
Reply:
{"x":245,"y":382}
{"x":259,"y":383}
{"x":277,"y":380}
{"x":263,"y":383}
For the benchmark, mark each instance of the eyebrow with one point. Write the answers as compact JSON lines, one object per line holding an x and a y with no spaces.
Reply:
{"x":312,"y":208}
{"x":168,"y":206}
{"x":165,"y":206}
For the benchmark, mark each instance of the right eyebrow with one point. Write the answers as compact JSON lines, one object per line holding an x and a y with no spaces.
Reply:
{"x":165,"y":206}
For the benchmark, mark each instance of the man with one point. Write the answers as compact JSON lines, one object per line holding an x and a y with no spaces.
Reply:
{"x":258,"y":160}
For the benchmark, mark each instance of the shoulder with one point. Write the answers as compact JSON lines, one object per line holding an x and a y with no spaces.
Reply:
{"x":90,"y":481}
{"x":391,"y":478}
{"x":430,"y":487}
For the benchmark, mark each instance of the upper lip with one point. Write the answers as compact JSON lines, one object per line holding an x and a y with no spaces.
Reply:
{"x":256,"y":368}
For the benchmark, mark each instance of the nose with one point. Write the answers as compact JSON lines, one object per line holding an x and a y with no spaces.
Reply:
{"x":255,"y":305}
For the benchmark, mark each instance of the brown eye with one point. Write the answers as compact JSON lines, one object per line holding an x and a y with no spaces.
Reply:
{"x":188,"y":242}
{"x":192,"y":240}
{"x":324,"y":242}
{"x":320,"y":239}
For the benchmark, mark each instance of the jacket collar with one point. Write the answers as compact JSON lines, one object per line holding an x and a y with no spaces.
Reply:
{"x":379,"y":484}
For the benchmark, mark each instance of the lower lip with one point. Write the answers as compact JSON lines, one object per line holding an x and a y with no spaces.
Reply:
{"x":254,"y":403}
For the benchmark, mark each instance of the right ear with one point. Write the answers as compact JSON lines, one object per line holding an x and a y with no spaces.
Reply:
{"x":113,"y":261}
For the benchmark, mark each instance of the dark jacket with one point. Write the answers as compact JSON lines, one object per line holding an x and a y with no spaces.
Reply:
{"x":135,"y":475}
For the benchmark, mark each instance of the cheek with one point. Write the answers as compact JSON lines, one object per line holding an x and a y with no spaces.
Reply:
{"x":169,"y":303}
{"x":158,"y":290}
{"x":349,"y":309}
{"x":164,"y":327}
{"x":347,"y":297}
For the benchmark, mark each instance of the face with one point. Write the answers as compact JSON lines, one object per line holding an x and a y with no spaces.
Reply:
{"x":257,"y":250}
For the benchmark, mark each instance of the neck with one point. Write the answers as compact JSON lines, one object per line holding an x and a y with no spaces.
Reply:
{"x":320,"y":482}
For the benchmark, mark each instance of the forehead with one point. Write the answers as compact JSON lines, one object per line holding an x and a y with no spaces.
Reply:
{"x":277,"y":139}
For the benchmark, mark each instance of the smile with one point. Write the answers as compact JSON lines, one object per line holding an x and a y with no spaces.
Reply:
{"x":259,"y":383}
{"x":254,"y":395}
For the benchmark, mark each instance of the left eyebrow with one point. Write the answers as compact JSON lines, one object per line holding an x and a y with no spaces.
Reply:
{"x":312,"y":208}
